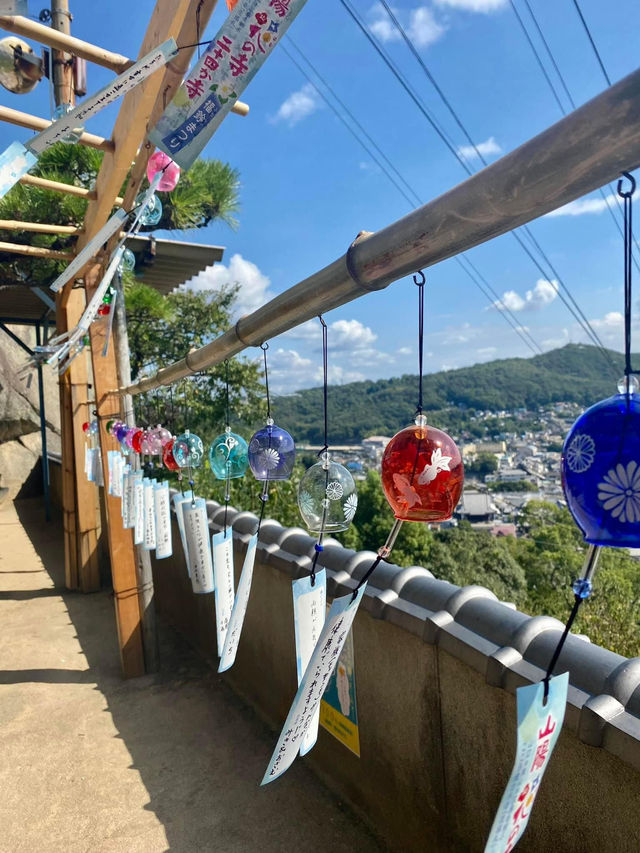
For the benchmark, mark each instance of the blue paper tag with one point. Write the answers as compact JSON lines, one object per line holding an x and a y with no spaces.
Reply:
{"x":309,"y":611}
{"x":15,"y":162}
{"x":538,"y":730}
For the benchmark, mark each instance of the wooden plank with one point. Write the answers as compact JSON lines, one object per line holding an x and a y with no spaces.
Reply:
{"x":51,"y":37}
{"x":57,"y":186}
{"x":36,"y":123}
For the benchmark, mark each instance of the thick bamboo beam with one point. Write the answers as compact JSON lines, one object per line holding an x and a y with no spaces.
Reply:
{"x":35,"y":123}
{"x":35,"y":252}
{"x":587,"y":149}
{"x":61,"y":41}
{"x":38,"y":227}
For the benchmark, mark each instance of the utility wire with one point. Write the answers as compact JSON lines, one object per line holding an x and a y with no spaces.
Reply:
{"x":569,"y":302}
{"x":403,"y":186}
{"x":593,"y":44}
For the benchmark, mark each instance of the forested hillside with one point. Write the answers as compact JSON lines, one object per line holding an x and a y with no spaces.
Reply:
{"x":575,"y":373}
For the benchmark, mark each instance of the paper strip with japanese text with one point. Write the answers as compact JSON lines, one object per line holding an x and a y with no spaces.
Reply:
{"x":222,"y":547}
{"x":93,"y":246}
{"x":239,"y":611}
{"x":123,"y":83}
{"x":309,"y":609}
{"x":164,"y":545}
{"x":15,"y":162}
{"x":305,"y":704}
{"x":196,"y":532}
{"x":217,"y":80}
{"x":538,"y":730}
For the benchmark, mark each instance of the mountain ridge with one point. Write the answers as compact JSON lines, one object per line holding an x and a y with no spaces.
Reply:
{"x":575,"y":373}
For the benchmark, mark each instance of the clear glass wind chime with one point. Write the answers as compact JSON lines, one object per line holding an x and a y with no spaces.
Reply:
{"x":327,"y":494}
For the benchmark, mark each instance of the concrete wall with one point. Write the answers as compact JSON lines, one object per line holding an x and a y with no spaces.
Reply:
{"x":436,"y":671}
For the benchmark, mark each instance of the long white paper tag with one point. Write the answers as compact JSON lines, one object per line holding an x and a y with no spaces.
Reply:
{"x":196,"y":531}
{"x":82,"y":259}
{"x":178,"y":503}
{"x":120,"y":85}
{"x":88,"y":461}
{"x":15,"y":162}
{"x":164,"y":547}
{"x":138,"y":510}
{"x":309,"y":609}
{"x":125,"y":506}
{"x":307,"y":699}
{"x":222,"y":546}
{"x":149,"y":541}
{"x":117,"y":465}
{"x":98,"y":474}
{"x":239,"y":611}
{"x":538,"y":730}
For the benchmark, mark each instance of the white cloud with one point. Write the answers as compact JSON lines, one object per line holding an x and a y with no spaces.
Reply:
{"x":298,"y":105}
{"x":343,"y":335}
{"x":486,"y":351}
{"x":486,"y":149}
{"x":421,"y":27}
{"x":584,"y":205}
{"x":542,"y":294}
{"x":254,"y":284}
{"x":611,"y":321}
{"x":404,"y":351}
{"x":483,"y":6}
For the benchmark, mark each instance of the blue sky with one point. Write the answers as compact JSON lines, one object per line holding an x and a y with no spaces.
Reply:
{"x":308,"y":187}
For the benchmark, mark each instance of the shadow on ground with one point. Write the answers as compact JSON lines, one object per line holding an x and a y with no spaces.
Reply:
{"x":199,"y":751}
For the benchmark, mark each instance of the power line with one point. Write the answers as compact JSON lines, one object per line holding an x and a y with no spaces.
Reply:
{"x":403,"y":186}
{"x":537,"y":55}
{"x":571,"y":303}
{"x":593,"y":44}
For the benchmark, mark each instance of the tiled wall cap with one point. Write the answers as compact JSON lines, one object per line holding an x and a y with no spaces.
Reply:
{"x":594,"y":715}
{"x":405,"y":575}
{"x":383,"y":575}
{"x":358,"y":563}
{"x":530,"y":629}
{"x":623,"y":683}
{"x":498,"y":663}
{"x":212,"y":507}
{"x":245,"y":522}
{"x":428,"y":592}
{"x":296,"y":541}
{"x":379,"y":601}
{"x":491,"y":619}
{"x":270,"y":531}
{"x":467,"y":593}
{"x":217,"y":516}
{"x":333,"y":556}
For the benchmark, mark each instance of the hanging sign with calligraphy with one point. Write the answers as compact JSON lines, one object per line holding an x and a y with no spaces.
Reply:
{"x":217,"y":80}
{"x":127,"y":489}
{"x":323,"y":662}
{"x":338,"y":708}
{"x":538,"y":730}
{"x":149,"y":517}
{"x":138,"y":510}
{"x":65,"y":126}
{"x":179,"y":501}
{"x":239,"y":610}
{"x":222,"y":545}
{"x":196,"y":532}
{"x":309,"y":608}
{"x":164,"y":545}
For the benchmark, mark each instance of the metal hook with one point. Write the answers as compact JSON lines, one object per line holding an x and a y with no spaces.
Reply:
{"x":422,"y":276}
{"x":264,"y":347}
{"x":321,"y":318}
{"x":631,"y":191}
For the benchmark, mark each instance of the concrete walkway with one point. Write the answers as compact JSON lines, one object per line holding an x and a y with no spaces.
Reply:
{"x":93,"y":763}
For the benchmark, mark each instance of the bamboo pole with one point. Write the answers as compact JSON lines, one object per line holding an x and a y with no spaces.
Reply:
{"x":585,"y":150}
{"x":64,"y":42}
{"x":38,"y":227}
{"x":57,"y":186}
{"x":35,"y":123}
{"x":35,"y":251}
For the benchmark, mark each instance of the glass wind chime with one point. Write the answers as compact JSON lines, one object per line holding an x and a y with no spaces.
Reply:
{"x":272,"y":451}
{"x":422,"y":470}
{"x":228,"y":453}
{"x":327,"y":494}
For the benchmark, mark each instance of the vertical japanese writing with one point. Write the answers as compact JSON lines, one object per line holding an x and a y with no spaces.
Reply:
{"x":164,"y":545}
{"x":149,"y":517}
{"x":236,"y":620}
{"x":309,"y":610}
{"x":196,"y":530}
{"x":222,"y":544}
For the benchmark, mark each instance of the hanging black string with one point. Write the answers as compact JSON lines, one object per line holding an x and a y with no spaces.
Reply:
{"x":264,"y":347}
{"x":324,"y":452}
{"x":628,"y":237}
{"x":226,"y":379}
{"x":419,"y":279}
{"x":325,"y":374}
{"x":227,"y":482}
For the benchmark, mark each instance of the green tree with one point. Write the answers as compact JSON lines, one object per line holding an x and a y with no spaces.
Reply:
{"x":484,"y":463}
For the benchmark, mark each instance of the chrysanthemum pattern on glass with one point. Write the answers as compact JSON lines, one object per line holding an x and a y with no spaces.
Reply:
{"x":270,"y":458}
{"x":307,"y":504}
{"x":619,"y":492}
{"x":581,"y":454}
{"x":334,"y":491}
{"x":350,"y":506}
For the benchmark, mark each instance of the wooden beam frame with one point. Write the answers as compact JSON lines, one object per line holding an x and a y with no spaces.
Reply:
{"x":36,"y":252}
{"x":38,"y":227}
{"x":35,"y":123}
{"x":59,"y":187}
